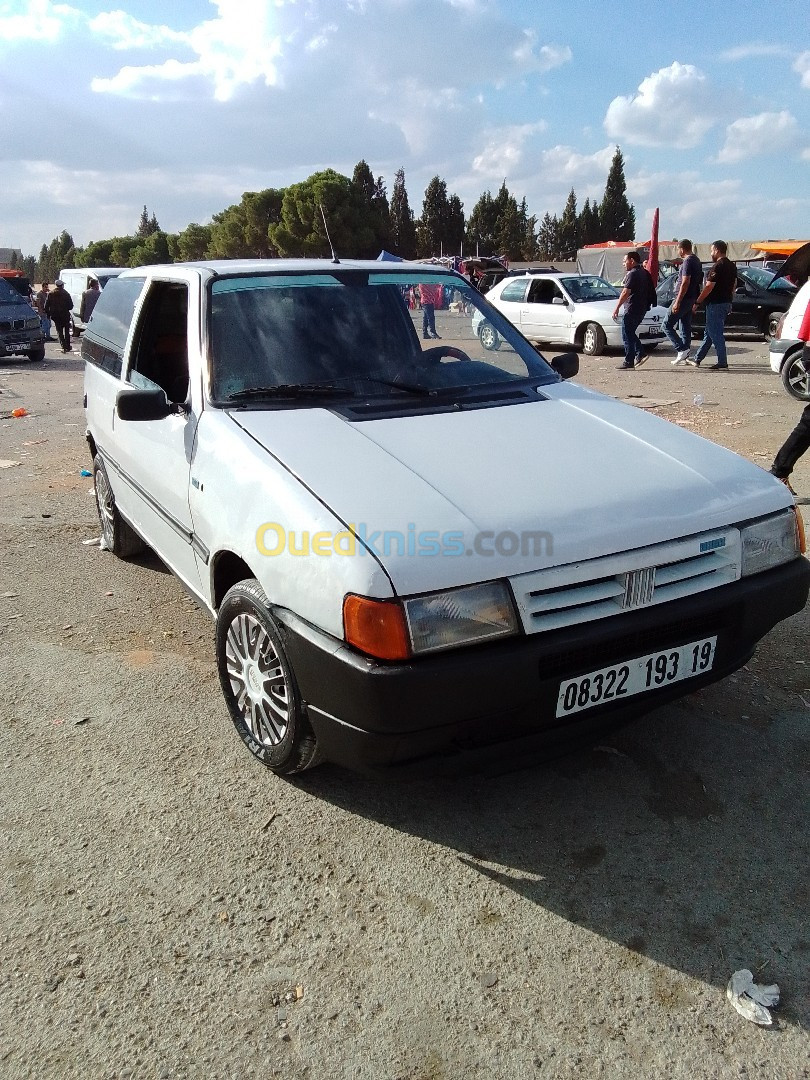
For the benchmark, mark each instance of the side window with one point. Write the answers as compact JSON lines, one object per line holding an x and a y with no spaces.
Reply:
{"x":514,"y":291}
{"x":543,"y":292}
{"x":104,"y":344}
{"x":160,"y":356}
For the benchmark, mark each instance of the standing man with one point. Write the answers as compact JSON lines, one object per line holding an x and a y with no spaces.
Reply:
{"x":89,"y":298}
{"x":430,"y":296}
{"x":798,"y":441}
{"x":690,"y":278}
{"x":40,"y":298}
{"x":59,"y":305}
{"x":717,"y":294}
{"x":634,"y":297}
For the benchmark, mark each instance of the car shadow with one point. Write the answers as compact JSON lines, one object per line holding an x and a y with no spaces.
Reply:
{"x":680,"y":837}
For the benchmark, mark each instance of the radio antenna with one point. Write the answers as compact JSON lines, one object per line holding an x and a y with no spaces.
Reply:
{"x":335,"y":259}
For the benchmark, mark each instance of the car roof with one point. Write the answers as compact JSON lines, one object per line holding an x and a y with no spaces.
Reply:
{"x":222,"y":267}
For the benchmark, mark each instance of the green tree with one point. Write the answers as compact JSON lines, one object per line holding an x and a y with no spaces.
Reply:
{"x":121,"y":250}
{"x":509,"y":230}
{"x":242,"y":230}
{"x":454,"y":231}
{"x":403,"y":229}
{"x":528,"y":225}
{"x":548,"y":237}
{"x":146,"y":225}
{"x":568,"y":238}
{"x":58,"y":255}
{"x":482,"y":226}
{"x":371,"y":199}
{"x":617,"y":218}
{"x":152,"y":249}
{"x":588,"y":224}
{"x":430,"y":227}
{"x":192,"y":243}
{"x":301,"y":229}
{"x":97,"y":253}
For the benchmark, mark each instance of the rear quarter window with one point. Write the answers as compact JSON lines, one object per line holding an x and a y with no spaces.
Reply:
{"x":105,"y":338}
{"x":514,"y":290}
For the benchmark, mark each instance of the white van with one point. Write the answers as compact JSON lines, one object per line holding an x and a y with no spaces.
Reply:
{"x":78,"y":280}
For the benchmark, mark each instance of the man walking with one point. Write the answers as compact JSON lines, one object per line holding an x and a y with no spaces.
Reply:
{"x":89,"y":298}
{"x":430,"y":297}
{"x":634,"y":299}
{"x":690,"y":278}
{"x":717,"y":294}
{"x":58,"y":306}
{"x":40,"y":299}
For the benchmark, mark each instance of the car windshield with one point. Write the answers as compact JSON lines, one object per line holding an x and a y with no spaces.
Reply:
{"x":764,"y":279}
{"x":585,"y":287}
{"x":9,"y":295}
{"x":291,"y":337}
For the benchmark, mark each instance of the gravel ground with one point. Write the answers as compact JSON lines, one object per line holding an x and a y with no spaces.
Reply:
{"x":171,"y":909}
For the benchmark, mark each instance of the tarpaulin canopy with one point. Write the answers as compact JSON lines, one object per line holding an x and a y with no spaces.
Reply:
{"x":779,"y":247}
{"x":386,"y":256}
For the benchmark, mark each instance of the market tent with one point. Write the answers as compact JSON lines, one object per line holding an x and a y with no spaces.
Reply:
{"x":386,"y":256}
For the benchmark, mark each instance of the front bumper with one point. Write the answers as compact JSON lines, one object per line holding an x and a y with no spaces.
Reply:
{"x":16,"y":342}
{"x":463,"y":703}
{"x":778,"y":349}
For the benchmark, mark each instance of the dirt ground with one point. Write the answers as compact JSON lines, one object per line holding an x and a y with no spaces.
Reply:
{"x":170,"y":909}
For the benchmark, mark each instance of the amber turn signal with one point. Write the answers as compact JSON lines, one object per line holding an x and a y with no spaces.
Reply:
{"x":800,"y":529}
{"x":376,"y":627}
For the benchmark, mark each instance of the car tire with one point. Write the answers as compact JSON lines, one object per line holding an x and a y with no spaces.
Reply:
{"x":593,"y":339}
{"x":119,"y":537}
{"x":37,"y":355}
{"x":771,"y":328}
{"x":258,"y":683}
{"x":489,"y":337}
{"x":795,"y":377}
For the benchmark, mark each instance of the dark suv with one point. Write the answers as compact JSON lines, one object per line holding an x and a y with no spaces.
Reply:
{"x":760,"y":300}
{"x":20,"y":326}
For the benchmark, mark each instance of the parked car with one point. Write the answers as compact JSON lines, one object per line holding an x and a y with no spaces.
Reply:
{"x":759,"y":300}
{"x":20,"y":325}
{"x":415,"y":547}
{"x":77,"y":280}
{"x":563,"y":309}
{"x":787,"y":352}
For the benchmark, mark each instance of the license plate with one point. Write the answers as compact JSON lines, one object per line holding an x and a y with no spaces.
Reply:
{"x":654,"y":331}
{"x":636,"y":676}
{"x":18,"y":346}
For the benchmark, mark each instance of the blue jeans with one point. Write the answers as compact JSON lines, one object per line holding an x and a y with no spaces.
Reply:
{"x":632,"y":346}
{"x":428,"y":320}
{"x":45,"y":323}
{"x":716,"y":315}
{"x":683,"y":318}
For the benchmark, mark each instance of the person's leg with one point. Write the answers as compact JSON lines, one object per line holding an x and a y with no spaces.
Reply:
{"x":708,"y":340}
{"x":673,"y":320}
{"x":638,"y":347}
{"x":425,"y":320}
{"x":63,"y":330}
{"x":627,"y":341}
{"x":686,"y":324}
{"x":796,"y":444}
{"x":719,"y":332}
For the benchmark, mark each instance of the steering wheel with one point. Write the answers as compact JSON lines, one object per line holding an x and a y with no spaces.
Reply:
{"x":434,"y":354}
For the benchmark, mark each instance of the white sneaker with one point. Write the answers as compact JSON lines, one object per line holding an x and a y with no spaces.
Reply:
{"x":681,"y":357}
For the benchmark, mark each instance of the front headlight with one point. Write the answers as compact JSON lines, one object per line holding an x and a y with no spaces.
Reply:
{"x":460,"y":616}
{"x":32,"y":324}
{"x":769,"y":542}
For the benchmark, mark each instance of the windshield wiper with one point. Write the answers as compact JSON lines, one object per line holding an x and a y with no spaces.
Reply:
{"x":292,"y":390}
{"x":409,"y":388}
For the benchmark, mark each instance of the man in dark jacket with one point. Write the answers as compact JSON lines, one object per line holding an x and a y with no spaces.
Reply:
{"x":89,"y":297}
{"x":59,"y":306}
{"x":717,"y":294}
{"x":633,"y":304}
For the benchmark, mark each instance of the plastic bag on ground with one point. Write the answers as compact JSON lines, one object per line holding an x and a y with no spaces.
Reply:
{"x":751,"y":1000}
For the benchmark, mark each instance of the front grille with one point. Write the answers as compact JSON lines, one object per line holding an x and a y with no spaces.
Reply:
{"x":613,"y":584}
{"x":13,"y":324}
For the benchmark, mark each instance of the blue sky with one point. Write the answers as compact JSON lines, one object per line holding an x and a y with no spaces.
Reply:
{"x":184,"y":105}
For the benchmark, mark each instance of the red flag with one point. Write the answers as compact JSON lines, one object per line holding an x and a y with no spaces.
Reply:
{"x":652,"y":258}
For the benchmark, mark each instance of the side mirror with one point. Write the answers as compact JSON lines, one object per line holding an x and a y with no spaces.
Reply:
{"x":558,"y":300}
{"x":133,"y":403}
{"x":566,"y":364}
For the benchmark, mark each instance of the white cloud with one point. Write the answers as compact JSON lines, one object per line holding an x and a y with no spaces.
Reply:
{"x":753,"y":52}
{"x":124,"y":32}
{"x":802,"y":65}
{"x":675,"y":106}
{"x":503,"y":150}
{"x":762,"y":134}
{"x":41,"y":21}
{"x":546,"y":59}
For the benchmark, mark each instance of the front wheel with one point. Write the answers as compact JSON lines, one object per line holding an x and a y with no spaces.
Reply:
{"x":119,"y":537}
{"x":37,"y":355}
{"x":593,"y":339}
{"x":258,"y":683}
{"x":796,"y":377}
{"x":489,"y":337}
{"x":772,"y":325}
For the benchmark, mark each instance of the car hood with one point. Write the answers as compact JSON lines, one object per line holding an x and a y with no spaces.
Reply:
{"x":602,"y":311}
{"x":593,"y":475}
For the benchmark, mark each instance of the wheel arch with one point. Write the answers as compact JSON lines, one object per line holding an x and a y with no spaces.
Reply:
{"x":227,"y":568}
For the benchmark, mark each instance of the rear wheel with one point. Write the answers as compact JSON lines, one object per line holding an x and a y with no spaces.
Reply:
{"x":489,"y":337}
{"x":593,"y":339}
{"x":258,"y":683}
{"x":796,"y":377}
{"x":119,"y":537}
{"x":772,"y":325}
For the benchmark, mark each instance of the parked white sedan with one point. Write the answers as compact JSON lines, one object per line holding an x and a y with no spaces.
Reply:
{"x":564,"y":309}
